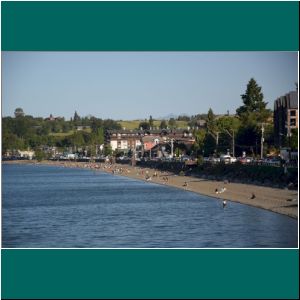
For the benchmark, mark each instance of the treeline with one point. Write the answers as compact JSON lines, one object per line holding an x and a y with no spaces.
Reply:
{"x":250,"y":129}
{"x":24,"y":131}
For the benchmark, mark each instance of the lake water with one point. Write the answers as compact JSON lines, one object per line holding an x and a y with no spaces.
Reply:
{"x":56,"y":207}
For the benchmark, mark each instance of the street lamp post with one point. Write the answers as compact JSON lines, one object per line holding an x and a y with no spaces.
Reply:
{"x":262,"y":141}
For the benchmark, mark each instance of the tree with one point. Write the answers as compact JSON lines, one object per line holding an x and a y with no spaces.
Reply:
{"x":210,"y":121}
{"x":151,"y":122}
{"x":172,"y":123}
{"x":163,"y":124}
{"x":19,"y":112}
{"x":228,"y":128}
{"x":39,"y":155}
{"x":76,"y":118}
{"x":198,"y":146}
{"x":212,"y":133}
{"x":96,"y":124}
{"x":209,"y":145}
{"x":294,"y":139}
{"x":144,"y":125}
{"x":107,"y":150}
{"x":183,"y":118}
{"x":254,"y":108}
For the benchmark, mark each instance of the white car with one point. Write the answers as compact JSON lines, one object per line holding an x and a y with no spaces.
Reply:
{"x":227,"y":159}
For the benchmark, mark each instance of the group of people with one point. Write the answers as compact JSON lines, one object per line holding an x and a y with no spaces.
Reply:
{"x":223,"y":189}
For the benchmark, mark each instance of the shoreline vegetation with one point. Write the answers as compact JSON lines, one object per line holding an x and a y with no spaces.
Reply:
{"x":282,"y":201}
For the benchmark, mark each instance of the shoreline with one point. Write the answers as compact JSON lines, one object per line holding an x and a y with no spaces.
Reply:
{"x":282,"y":201}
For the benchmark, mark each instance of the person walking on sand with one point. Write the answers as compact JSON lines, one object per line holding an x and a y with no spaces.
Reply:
{"x":253,"y":196}
{"x":185,"y":185}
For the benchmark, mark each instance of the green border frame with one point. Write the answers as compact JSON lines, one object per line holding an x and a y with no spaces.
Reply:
{"x":133,"y":274}
{"x":150,"y":26}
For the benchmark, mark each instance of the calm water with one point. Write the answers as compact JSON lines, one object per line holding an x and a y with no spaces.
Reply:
{"x":47,"y":206}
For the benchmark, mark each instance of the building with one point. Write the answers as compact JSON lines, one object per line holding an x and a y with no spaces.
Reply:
{"x":285,"y":116}
{"x":143,"y":141}
{"x":51,"y":118}
{"x":82,"y":127}
{"x":26,"y":154}
{"x":123,"y":140}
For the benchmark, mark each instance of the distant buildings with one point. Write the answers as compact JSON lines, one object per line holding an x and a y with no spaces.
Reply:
{"x":51,"y":118}
{"x":81,"y":128}
{"x":285,"y":116}
{"x":144,"y":141}
{"x":123,"y":139}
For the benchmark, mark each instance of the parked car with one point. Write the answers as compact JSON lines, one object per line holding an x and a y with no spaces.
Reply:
{"x":185,"y":158}
{"x":227,"y":159}
{"x":245,"y":160}
{"x":274,"y":161}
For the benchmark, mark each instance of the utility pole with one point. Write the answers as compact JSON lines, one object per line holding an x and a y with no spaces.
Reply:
{"x":133,"y":161}
{"x":216,"y":137}
{"x":232,"y":137}
{"x":233,"y":146}
{"x":262,"y":141}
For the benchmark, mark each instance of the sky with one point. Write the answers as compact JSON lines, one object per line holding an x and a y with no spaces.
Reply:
{"x":135,"y":85}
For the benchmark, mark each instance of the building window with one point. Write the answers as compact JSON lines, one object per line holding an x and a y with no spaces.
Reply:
{"x":293,"y":122}
{"x":292,"y":113}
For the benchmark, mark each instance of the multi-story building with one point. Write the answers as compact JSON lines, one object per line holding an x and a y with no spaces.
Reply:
{"x":285,"y":116}
{"x":144,"y":140}
{"x":123,"y":140}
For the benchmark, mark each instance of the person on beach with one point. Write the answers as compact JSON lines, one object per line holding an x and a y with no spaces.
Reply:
{"x":253,"y":196}
{"x":185,"y":185}
{"x":216,"y":191}
{"x":224,"y":203}
{"x":223,"y":189}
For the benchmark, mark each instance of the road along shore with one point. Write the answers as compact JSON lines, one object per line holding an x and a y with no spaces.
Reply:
{"x":282,"y":201}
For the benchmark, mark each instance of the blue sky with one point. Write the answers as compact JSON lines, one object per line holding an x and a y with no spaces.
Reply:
{"x":134,"y":85}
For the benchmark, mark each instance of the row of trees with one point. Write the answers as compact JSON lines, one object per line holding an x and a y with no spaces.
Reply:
{"x":24,"y":131}
{"x":146,"y":125}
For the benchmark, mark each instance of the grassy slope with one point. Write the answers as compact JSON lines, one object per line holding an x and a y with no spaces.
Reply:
{"x":63,"y":134}
{"x":135,"y":124}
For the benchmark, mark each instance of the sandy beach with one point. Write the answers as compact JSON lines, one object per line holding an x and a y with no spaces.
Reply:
{"x":281,"y":201}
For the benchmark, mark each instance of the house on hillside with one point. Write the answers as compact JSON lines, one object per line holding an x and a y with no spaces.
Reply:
{"x":51,"y":118}
{"x":143,"y":141}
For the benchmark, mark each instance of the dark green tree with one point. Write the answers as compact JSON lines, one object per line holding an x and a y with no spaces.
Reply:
{"x":19,"y":112}
{"x":209,"y":145}
{"x":294,"y":139}
{"x":107,"y":150}
{"x":163,"y":124}
{"x":172,"y":123}
{"x":144,"y":125}
{"x":210,"y":121}
{"x":151,"y":122}
{"x":253,"y":108}
{"x":76,"y":118}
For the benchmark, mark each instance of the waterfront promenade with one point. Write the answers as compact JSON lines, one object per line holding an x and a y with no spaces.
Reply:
{"x":281,"y":201}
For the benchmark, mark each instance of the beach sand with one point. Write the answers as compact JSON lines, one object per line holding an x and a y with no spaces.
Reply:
{"x":281,"y":201}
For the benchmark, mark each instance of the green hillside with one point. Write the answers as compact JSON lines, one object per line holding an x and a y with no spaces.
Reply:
{"x":134,"y":124}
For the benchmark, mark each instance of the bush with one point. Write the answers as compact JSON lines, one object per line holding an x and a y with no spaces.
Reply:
{"x":39,"y":155}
